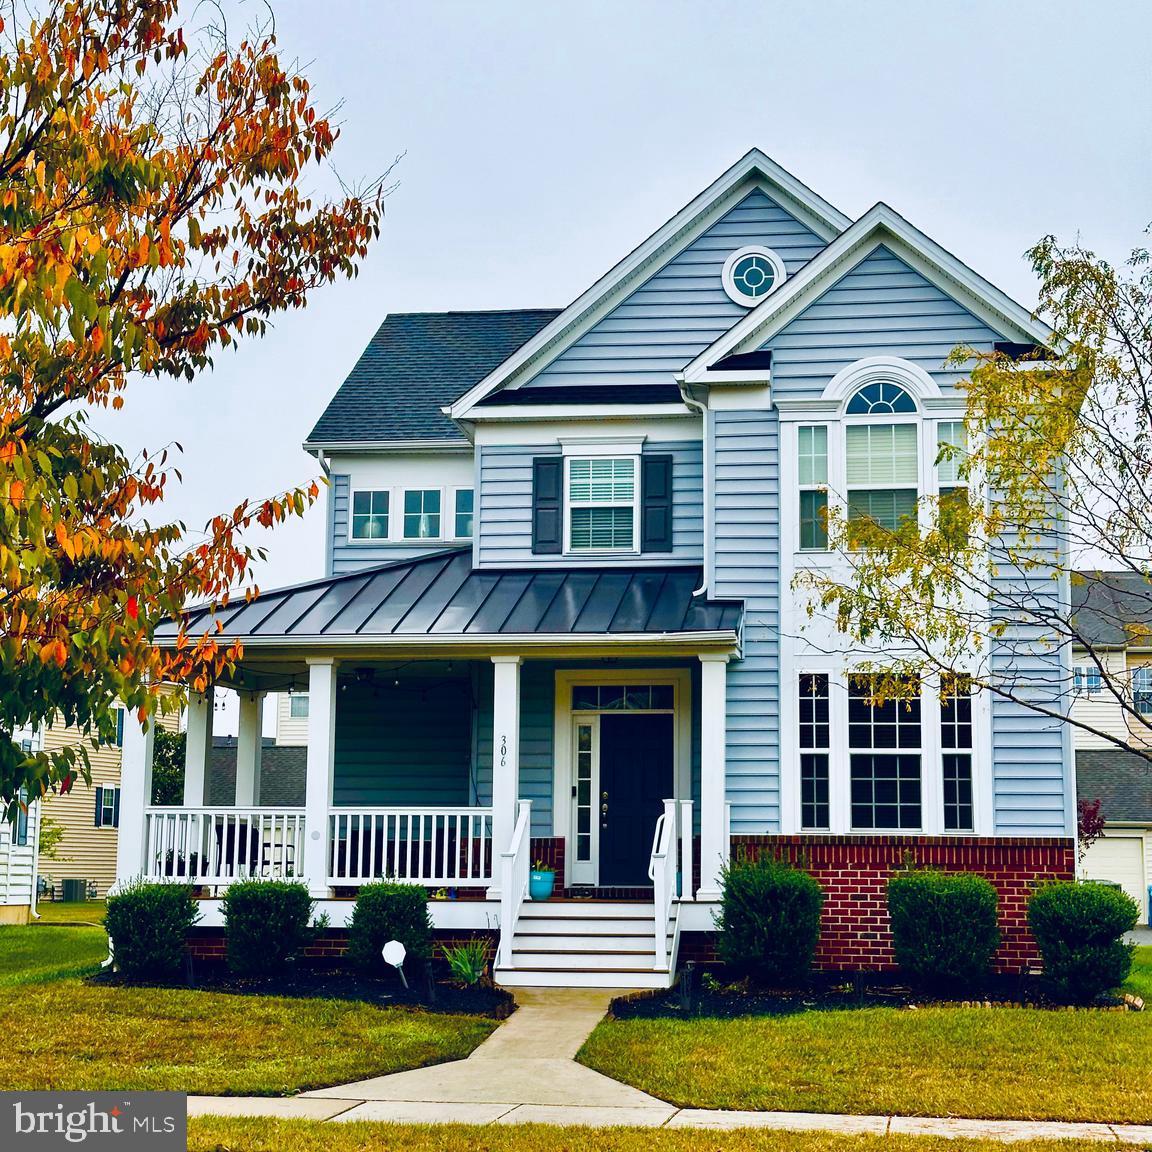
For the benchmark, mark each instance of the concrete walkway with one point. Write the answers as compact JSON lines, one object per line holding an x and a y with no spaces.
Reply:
{"x":525,"y":1073}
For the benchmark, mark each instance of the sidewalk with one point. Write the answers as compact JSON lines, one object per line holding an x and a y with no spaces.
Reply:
{"x":525,"y":1073}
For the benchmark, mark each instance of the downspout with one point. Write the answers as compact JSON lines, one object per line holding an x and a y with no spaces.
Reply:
{"x":709,"y":486}
{"x":36,"y":857}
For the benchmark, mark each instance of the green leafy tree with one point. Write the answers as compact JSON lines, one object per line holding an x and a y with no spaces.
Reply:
{"x":1056,"y":470}
{"x":154,"y":209}
{"x":168,"y":767}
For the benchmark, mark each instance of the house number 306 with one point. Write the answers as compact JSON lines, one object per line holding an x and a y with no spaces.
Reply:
{"x":503,"y":751}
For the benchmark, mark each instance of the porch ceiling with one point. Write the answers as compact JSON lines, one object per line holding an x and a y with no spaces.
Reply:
{"x":441,"y":601}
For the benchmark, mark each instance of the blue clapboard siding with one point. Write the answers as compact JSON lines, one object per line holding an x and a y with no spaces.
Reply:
{"x":882,"y":307}
{"x":747,"y":567}
{"x":344,"y":556}
{"x":406,"y":745}
{"x":504,"y":512}
{"x":680,"y":310}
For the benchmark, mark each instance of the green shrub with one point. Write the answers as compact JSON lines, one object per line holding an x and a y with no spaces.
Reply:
{"x":266,"y":925}
{"x":386,"y":912}
{"x":1078,"y":928}
{"x":468,"y":961}
{"x":944,"y":926}
{"x":769,"y":920}
{"x":148,"y":926}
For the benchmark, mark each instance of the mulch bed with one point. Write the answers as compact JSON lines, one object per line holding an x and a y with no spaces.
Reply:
{"x":830,"y":992}
{"x":307,"y":982}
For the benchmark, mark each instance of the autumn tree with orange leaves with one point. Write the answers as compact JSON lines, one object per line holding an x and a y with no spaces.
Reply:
{"x":152,"y":211}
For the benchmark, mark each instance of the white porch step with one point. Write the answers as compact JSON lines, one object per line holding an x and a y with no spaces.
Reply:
{"x":586,"y":926}
{"x":582,"y":978}
{"x":613,"y":909}
{"x":642,"y":958}
{"x":583,"y":941}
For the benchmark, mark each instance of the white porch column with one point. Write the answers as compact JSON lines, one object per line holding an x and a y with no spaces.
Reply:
{"x":135,"y":796}
{"x":197,"y":746}
{"x":713,"y":738}
{"x":318,"y":778}
{"x":505,"y":756}
{"x":249,"y":743}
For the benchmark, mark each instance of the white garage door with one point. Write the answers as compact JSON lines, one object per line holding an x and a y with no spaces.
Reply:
{"x":1120,"y":859}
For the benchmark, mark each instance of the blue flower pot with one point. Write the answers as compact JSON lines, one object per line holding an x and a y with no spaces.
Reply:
{"x":540,"y":884}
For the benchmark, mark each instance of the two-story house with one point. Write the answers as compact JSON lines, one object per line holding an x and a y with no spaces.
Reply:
{"x":559,"y":623}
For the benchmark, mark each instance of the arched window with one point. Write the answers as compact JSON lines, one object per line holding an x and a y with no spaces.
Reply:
{"x":881,"y":398}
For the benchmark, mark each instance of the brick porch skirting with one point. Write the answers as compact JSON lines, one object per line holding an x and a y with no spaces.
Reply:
{"x":854,"y":873}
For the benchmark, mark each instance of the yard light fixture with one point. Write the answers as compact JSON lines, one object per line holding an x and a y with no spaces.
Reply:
{"x":394,"y":953}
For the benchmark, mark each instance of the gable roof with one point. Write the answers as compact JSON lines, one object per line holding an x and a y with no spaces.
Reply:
{"x":1112,"y":609}
{"x":754,"y":169}
{"x":1120,"y":780}
{"x":880,"y":226}
{"x":417,"y":363}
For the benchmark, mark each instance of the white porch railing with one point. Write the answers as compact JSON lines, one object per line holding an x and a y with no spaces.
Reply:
{"x":441,"y":847}
{"x":670,"y":871}
{"x":214,"y":846}
{"x":515,"y":866}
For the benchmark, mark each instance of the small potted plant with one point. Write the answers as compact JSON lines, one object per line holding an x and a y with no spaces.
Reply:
{"x":541,"y":881}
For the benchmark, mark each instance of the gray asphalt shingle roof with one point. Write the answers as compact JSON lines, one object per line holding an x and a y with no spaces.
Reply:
{"x":1112,"y":609}
{"x":441,"y":595}
{"x":1120,"y":780}
{"x":415,"y":364}
{"x":282,"y":773}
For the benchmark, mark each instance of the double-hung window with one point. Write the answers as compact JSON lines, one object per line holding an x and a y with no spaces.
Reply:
{"x":815,"y":744}
{"x":884,"y":741}
{"x":956,"y":753}
{"x":1142,"y":691}
{"x":462,"y":513}
{"x":812,"y":474}
{"x":951,"y":444}
{"x":369,"y":515}
{"x":422,"y":514}
{"x":1086,"y":679}
{"x":602,"y":493}
{"x":298,"y":705}
{"x":882,"y":475}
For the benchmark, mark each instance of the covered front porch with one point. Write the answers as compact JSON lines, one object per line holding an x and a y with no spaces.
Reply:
{"x":457,"y":759}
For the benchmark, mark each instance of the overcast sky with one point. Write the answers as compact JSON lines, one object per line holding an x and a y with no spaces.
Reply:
{"x":543,"y":141}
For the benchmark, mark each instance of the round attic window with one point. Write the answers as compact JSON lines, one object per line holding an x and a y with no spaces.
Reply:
{"x":751,"y":273}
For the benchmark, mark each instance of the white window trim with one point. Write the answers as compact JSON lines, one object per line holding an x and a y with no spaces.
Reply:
{"x":779,"y":274}
{"x":454,"y":494}
{"x":615,"y":455}
{"x":361,"y":541}
{"x":402,"y":538}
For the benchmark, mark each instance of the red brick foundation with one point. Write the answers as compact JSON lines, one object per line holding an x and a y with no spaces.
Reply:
{"x":854,"y":872}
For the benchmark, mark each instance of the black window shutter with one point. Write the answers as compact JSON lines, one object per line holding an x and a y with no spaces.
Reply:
{"x":116,"y":808}
{"x":99,"y":804}
{"x":656,"y":504}
{"x":547,"y":505}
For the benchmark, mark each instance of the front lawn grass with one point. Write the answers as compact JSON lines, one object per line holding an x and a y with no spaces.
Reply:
{"x":210,"y":1134}
{"x":61,"y":1033}
{"x":73,"y":912}
{"x":1002,"y":1063}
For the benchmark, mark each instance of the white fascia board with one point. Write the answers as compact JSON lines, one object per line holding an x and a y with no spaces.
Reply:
{"x":879,"y":227}
{"x":753,"y":170}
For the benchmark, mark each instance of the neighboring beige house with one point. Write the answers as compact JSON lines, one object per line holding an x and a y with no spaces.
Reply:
{"x":1114,"y":616}
{"x":292,"y":718}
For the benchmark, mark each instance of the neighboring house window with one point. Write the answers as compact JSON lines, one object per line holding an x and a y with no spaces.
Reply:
{"x":882,"y":470}
{"x":465,"y":501}
{"x":884,"y":742}
{"x":107,"y":807}
{"x":298,"y":706}
{"x":1086,"y":678}
{"x":812,"y":464}
{"x":369,"y":515}
{"x":602,"y":504}
{"x":1142,"y":691}
{"x":956,"y":753}
{"x":422,"y":514}
{"x":20,"y":824}
{"x":815,"y":742}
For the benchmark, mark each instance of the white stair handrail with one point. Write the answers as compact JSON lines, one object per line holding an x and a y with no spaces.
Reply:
{"x":515,"y":866}
{"x":662,"y":873}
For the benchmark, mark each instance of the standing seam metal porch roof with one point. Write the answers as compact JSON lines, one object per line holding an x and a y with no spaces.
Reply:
{"x":442,"y":595}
